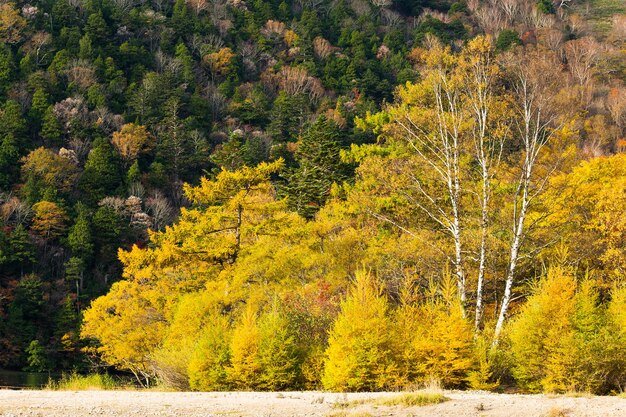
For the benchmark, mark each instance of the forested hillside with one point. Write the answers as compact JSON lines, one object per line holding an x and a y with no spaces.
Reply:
{"x":349,"y":194}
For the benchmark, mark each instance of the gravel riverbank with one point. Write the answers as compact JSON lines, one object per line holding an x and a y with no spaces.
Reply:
{"x":313,"y":404}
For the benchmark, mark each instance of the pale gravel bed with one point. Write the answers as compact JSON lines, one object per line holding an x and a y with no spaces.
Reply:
{"x":273,"y":404}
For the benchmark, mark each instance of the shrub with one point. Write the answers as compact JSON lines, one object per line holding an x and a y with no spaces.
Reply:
{"x":245,"y":367}
{"x":76,"y":382}
{"x":277,"y":351}
{"x":263,"y":351}
{"x":414,"y":399}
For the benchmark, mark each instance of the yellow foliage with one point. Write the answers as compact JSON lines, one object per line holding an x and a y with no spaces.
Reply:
{"x":277,"y":351}
{"x":291,"y":38}
{"x":220,"y":62}
{"x":128,"y":324}
{"x":11,"y":23}
{"x":132,"y":140}
{"x":208,"y":365}
{"x":245,"y":370}
{"x":160,"y":326}
{"x":360,"y":351}
{"x":434,"y":337}
{"x":559,"y":340}
{"x":586,"y":209}
{"x":50,"y":220}
{"x":55,"y":171}
{"x":543,"y":324}
{"x":194,"y":312}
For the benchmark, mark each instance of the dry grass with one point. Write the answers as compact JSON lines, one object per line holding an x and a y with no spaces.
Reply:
{"x":349,"y":414}
{"x":556,"y":412}
{"x":409,"y":399}
{"x":344,"y":403}
{"x":76,"y":382}
{"x":413,"y":399}
{"x":578,"y":394}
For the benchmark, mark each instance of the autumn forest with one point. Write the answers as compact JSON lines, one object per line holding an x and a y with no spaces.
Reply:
{"x":348,"y":195}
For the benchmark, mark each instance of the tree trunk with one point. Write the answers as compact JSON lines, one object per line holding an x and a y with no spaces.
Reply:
{"x":482,"y":251}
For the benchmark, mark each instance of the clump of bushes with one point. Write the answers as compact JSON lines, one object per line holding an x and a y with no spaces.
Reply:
{"x":77,"y":382}
{"x":564,"y":339}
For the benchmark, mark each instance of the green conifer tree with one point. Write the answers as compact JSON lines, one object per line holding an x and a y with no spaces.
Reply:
{"x":319,"y":166}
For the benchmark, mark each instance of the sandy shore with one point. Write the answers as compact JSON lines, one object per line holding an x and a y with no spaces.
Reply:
{"x":191,"y":404}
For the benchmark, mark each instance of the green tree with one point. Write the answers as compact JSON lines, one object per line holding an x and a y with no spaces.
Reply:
{"x":7,"y":68}
{"x":96,"y":28}
{"x":37,"y":357}
{"x":39,"y":105}
{"x":102,"y":174}
{"x":12,"y":123}
{"x":180,"y":18}
{"x":22,"y":250}
{"x":79,"y":238}
{"x":51,"y":129}
{"x":506,"y":39}
{"x":9,"y":170}
{"x":319,"y":166}
{"x":287,"y":116}
{"x":186,"y":60}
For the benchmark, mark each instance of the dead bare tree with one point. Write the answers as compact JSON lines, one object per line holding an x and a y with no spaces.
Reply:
{"x":510,"y":8}
{"x":14,"y":211}
{"x":197,"y":6}
{"x":491,"y":18}
{"x":582,"y":56}
{"x":618,"y":29}
{"x":160,"y":210}
{"x":616,"y":104}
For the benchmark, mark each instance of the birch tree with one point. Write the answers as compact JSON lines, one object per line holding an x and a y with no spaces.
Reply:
{"x":431,"y":121}
{"x":534,"y":84}
{"x":449,"y":123}
{"x":490,"y":128}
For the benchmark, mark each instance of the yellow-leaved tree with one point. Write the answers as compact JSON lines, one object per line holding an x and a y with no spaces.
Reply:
{"x":559,"y":339}
{"x":130,"y":324}
{"x":195,"y":319}
{"x":586,"y":208}
{"x":245,"y":370}
{"x":360,"y":353}
{"x":434,"y":338}
{"x":277,"y":350}
{"x":264,"y":354}
{"x":615,"y":373}
{"x":543,"y":332}
{"x":211,"y":356}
